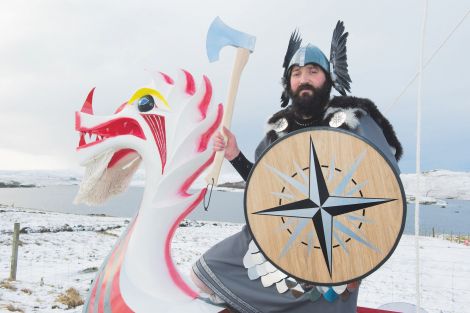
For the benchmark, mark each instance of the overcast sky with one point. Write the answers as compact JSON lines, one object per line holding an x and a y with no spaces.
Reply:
{"x":53,"y":52}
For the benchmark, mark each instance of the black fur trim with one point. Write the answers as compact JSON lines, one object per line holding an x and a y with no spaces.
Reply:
{"x":360,"y":105}
{"x":288,"y":114}
{"x":272,"y":136}
{"x":369,"y":107}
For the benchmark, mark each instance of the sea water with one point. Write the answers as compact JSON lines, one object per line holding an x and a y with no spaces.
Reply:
{"x":224,"y":206}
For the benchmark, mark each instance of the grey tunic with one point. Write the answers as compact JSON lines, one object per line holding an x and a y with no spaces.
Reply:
{"x":221,"y":267}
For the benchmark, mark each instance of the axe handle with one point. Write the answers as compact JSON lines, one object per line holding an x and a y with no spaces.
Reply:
{"x":240,"y":61}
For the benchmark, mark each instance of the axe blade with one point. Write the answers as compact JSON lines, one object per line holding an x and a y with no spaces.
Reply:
{"x":220,"y":35}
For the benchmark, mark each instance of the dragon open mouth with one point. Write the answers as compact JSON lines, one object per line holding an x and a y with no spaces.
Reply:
{"x":124,"y":126}
{"x":117,"y":127}
{"x":108,"y":172}
{"x":120,"y":126}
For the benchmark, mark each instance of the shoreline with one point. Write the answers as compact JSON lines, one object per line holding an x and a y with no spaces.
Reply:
{"x":437,"y":184}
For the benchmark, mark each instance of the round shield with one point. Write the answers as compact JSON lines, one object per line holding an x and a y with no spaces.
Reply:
{"x":325,"y":206}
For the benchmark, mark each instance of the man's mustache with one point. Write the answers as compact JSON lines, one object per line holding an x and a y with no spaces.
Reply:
{"x":305,"y":87}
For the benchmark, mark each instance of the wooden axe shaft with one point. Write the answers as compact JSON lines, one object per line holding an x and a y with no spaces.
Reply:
{"x":240,"y":61}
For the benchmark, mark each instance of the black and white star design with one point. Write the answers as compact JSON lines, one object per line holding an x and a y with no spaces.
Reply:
{"x":321,"y":207}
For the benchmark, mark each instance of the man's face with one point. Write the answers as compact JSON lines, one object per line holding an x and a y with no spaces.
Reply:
{"x":309,"y":90}
{"x":302,"y":77}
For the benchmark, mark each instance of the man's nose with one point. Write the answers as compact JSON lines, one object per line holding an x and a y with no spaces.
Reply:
{"x":303,"y":78}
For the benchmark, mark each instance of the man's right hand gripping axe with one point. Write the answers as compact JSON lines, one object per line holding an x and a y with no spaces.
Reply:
{"x":220,"y":35}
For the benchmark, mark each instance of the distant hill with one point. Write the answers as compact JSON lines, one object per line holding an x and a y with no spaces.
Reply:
{"x":437,"y":184}
{"x":440,"y":184}
{"x":235,"y":185}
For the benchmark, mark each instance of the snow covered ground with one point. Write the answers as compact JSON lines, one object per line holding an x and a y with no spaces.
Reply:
{"x":60,"y":251}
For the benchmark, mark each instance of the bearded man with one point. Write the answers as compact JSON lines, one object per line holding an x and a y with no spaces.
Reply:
{"x":226,"y":271}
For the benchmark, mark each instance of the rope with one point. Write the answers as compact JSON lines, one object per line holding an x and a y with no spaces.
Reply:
{"x":427,"y":62}
{"x":206,"y":206}
{"x":418,"y":157}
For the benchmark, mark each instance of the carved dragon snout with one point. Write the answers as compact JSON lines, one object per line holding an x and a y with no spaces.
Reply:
{"x":121,"y":126}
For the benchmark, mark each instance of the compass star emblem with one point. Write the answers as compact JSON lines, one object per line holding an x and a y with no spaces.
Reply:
{"x":320,"y":207}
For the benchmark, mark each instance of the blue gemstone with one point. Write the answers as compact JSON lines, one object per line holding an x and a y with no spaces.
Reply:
{"x":330,"y":295}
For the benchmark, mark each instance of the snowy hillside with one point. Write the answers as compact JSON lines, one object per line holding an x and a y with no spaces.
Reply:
{"x":38,"y":178}
{"x":53,"y":178}
{"x":436,"y":184}
{"x":441,"y":184}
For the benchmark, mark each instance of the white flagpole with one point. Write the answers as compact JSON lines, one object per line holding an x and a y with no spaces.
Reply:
{"x":418,"y":158}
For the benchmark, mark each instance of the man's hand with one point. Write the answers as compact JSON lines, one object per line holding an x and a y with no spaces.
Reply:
{"x":230,"y":147}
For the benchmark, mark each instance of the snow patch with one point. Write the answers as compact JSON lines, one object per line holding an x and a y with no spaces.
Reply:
{"x":53,"y":261}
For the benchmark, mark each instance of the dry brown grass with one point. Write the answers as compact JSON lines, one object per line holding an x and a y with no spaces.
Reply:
{"x":106,"y":232}
{"x":7,"y":284}
{"x":27,"y":291}
{"x":71,"y":298}
{"x":10,"y":307}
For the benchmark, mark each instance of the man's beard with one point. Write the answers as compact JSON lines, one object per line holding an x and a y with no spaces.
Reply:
{"x":310,"y":105}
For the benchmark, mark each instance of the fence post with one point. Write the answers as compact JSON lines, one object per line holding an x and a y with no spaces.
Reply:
{"x":433,"y":233}
{"x":14,"y":251}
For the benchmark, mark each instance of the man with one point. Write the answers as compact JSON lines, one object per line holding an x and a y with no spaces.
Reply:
{"x":225,"y":272}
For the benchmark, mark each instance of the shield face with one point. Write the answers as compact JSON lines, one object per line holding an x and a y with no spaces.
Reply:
{"x":325,"y":206}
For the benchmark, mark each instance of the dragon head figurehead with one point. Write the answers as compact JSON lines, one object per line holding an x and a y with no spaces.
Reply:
{"x":111,"y":147}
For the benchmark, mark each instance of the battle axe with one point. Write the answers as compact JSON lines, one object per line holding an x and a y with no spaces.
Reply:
{"x":220,"y":35}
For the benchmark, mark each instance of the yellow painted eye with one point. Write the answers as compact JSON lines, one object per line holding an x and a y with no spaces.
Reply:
{"x":142,"y":92}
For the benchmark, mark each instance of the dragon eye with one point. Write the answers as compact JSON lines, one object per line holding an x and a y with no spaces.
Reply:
{"x":146,"y":103}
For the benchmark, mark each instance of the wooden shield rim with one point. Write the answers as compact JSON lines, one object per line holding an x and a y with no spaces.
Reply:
{"x":394,"y":171}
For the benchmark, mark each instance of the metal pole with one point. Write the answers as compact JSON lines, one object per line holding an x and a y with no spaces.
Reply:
{"x":14,"y":251}
{"x":418,"y":158}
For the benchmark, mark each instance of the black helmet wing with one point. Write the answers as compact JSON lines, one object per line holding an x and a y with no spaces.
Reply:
{"x":294,"y":44}
{"x":339,"y":60}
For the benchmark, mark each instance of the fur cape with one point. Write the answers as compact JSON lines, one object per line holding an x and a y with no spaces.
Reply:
{"x":284,"y":121}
